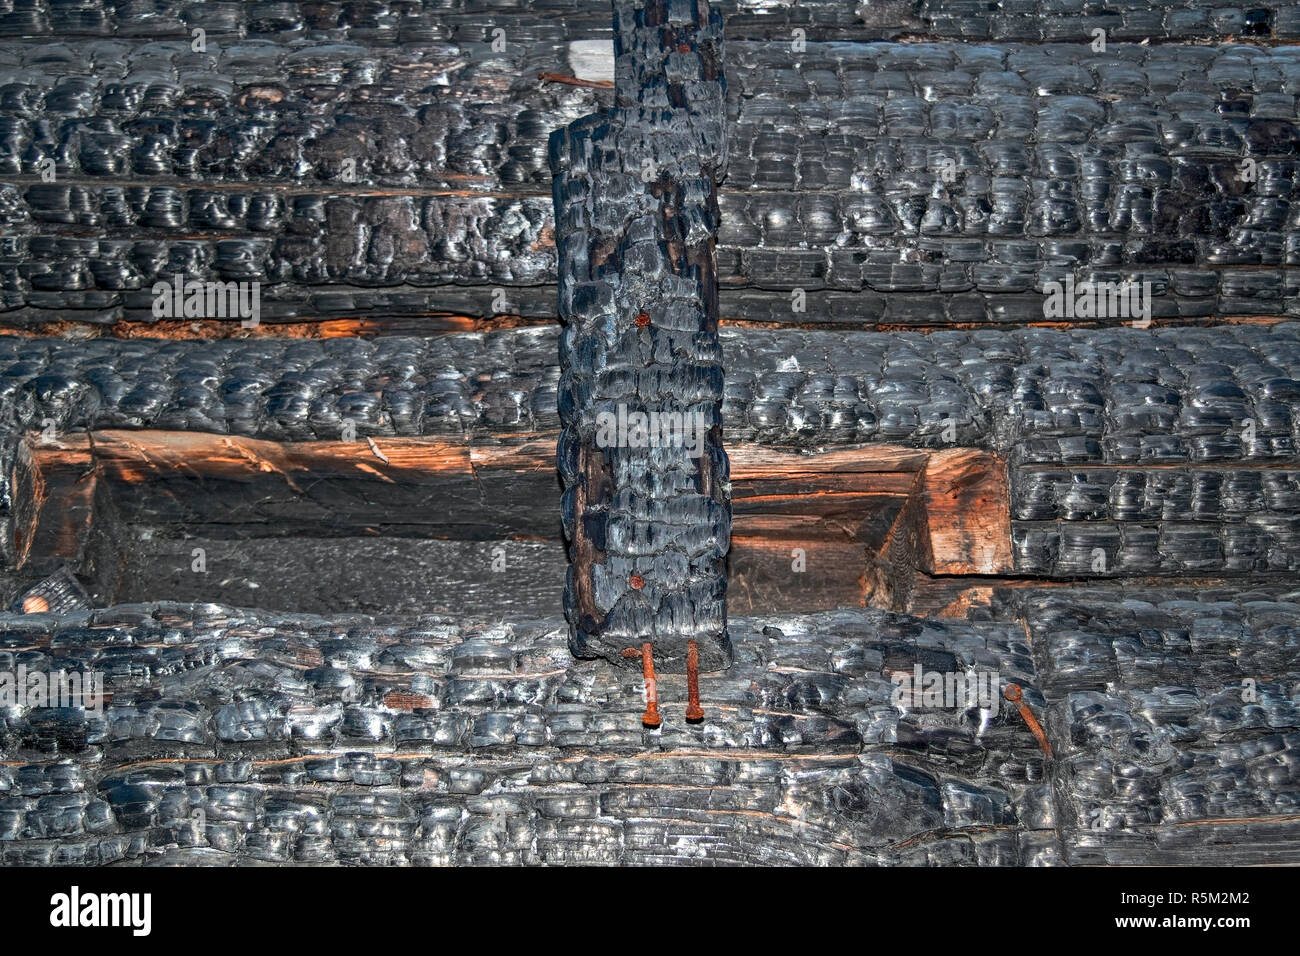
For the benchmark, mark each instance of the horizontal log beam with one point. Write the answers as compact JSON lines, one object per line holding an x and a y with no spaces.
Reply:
{"x":469,"y":22}
{"x":914,"y":209}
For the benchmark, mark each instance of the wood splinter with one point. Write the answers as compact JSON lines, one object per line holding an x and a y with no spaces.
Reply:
{"x":575,"y":81}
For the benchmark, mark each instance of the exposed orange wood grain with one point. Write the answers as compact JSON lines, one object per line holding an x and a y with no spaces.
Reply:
{"x":967,"y":514}
{"x":960,"y":607}
{"x":54,"y":512}
{"x":866,"y":519}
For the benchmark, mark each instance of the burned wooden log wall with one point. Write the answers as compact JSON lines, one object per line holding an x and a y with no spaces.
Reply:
{"x":1106,"y":515}
{"x":1129,"y":452}
{"x":346,"y":740}
{"x":388,"y":170}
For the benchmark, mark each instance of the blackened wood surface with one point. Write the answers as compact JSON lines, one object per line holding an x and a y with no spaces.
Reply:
{"x":358,"y":175}
{"x":648,"y":515}
{"x":430,"y":20}
{"x":239,"y":736}
{"x":1130,"y":452}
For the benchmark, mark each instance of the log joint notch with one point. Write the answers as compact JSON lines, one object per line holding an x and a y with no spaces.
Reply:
{"x":868,"y":525}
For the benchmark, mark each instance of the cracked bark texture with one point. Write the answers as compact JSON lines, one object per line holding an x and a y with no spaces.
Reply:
{"x":648,"y":518}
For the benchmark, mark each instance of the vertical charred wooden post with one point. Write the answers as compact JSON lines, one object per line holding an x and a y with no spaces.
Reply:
{"x":647,"y":507}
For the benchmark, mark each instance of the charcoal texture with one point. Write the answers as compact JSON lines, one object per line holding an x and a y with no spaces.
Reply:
{"x":240,"y":736}
{"x":1132,"y":451}
{"x":316,"y":113}
{"x":416,"y":20}
{"x":647,"y":513}
{"x":969,"y":177}
{"x":945,"y":182}
{"x":292,"y":738}
{"x":1086,"y":396}
{"x":915,"y":164}
{"x":59,"y":593}
{"x":1171,"y":709}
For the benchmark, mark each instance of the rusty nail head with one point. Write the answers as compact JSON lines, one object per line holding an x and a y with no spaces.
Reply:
{"x":642,"y":319}
{"x":636,"y":582}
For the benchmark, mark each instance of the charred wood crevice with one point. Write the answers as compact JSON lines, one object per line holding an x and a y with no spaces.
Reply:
{"x":647,"y":517}
{"x":886,"y":526}
{"x":838,"y":513}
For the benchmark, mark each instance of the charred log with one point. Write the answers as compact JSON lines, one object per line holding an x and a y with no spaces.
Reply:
{"x":1131,"y":451}
{"x":648,"y":515}
{"x":946,"y":183}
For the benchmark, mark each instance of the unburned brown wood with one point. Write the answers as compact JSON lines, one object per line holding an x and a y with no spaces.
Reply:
{"x":841,"y":528}
{"x":967,"y":519}
{"x":55,"y":506}
{"x":812,"y":574}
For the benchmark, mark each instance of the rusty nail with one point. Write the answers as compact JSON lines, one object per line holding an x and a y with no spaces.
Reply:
{"x":642,"y":319}
{"x":651,"y":716}
{"x":1013,"y":694}
{"x":693,"y":711}
{"x":636,"y":582}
